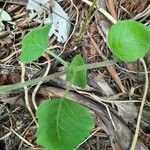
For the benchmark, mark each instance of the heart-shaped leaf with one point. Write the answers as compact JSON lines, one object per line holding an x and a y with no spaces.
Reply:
{"x":78,"y":78}
{"x":129,"y":40}
{"x":63,"y":124}
{"x":34,"y":44}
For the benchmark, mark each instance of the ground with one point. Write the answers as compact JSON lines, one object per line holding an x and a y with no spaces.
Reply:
{"x":113,"y":94}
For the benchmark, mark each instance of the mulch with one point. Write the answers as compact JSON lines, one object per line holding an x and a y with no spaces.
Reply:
{"x":121,"y":83}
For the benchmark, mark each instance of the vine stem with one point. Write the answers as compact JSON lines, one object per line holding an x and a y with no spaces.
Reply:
{"x":63,"y":62}
{"x":7,"y":88}
{"x":95,"y":65}
{"x":141,"y":107}
{"x":67,"y":90}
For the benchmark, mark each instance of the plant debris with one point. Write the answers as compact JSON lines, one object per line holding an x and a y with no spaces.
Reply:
{"x":113,"y":94}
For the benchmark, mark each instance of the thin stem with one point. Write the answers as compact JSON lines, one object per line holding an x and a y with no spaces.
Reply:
{"x":141,"y":107}
{"x":57,"y":58}
{"x":67,"y":90}
{"x":95,"y":65}
{"x":7,"y":88}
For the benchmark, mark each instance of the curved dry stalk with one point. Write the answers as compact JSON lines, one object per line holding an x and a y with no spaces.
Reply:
{"x":141,"y":107}
{"x":39,"y":84}
{"x":9,"y":57}
{"x":26,"y":94}
{"x":96,"y":130}
{"x":20,"y":137}
{"x":23,"y":135}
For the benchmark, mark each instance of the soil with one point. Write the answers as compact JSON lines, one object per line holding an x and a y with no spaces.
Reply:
{"x":120,"y":87}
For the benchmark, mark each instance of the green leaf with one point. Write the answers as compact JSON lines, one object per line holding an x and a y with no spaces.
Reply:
{"x":34,"y":44}
{"x":78,"y":78}
{"x":129,"y":40}
{"x":63,"y":124}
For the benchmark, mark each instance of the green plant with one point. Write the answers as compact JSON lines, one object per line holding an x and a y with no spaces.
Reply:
{"x":61,"y":118}
{"x":63,"y":124}
{"x":129,"y":40}
{"x":34,"y":44}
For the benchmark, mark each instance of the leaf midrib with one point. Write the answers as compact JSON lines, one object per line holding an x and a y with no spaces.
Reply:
{"x":57,"y":121}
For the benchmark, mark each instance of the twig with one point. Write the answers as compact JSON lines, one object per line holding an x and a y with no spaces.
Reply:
{"x":3,"y":7}
{"x":23,"y":139}
{"x":38,"y":85}
{"x":24,"y":132}
{"x":111,"y":8}
{"x":5,"y":136}
{"x":26,"y":94}
{"x":98,"y":128}
{"x":9,"y":57}
{"x":96,"y":98}
{"x":142,"y":106}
